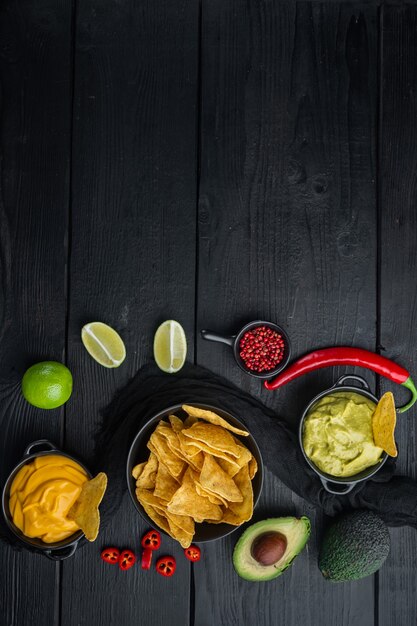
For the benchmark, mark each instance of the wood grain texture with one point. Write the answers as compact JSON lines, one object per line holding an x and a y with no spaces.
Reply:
{"x":286,"y":232}
{"x":132,"y":257}
{"x":398,"y":242}
{"x":35,"y":118}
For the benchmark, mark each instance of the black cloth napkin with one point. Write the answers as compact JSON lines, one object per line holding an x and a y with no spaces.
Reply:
{"x":394,"y":498}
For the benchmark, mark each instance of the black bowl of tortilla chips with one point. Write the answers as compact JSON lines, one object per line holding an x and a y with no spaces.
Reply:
{"x":194,"y":472}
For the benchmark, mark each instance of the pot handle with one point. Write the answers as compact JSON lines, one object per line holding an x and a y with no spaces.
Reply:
{"x":340,"y":382}
{"x":40,"y":442}
{"x":62,"y":553}
{"x":337,"y":489}
{"x":208,"y":335}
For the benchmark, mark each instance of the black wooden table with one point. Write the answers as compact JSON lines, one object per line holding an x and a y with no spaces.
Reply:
{"x":212,"y":162}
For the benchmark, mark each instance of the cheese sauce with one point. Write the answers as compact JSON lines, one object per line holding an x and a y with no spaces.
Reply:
{"x":42,"y":494}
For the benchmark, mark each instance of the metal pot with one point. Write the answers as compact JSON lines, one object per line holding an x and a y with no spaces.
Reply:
{"x":234,"y":342}
{"x":333,"y":484}
{"x":54,"y":551}
{"x":139,"y":452}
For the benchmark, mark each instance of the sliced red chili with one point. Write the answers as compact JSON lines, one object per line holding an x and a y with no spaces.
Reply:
{"x":166,"y":566}
{"x":110,"y":555}
{"x":193,"y":553}
{"x":151,"y":540}
{"x":146,"y":558}
{"x":126,"y":559}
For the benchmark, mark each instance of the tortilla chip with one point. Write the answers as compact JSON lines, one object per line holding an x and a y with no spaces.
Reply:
{"x":201,"y":446}
{"x":384,"y":420}
{"x":167,"y":525}
{"x":165,"y":484}
{"x":196,"y":462}
{"x":146,"y":477}
{"x":189,"y":421}
{"x":213,"y":418}
{"x":179,"y":534}
{"x":149,"y":498}
{"x":184,"y":522}
{"x":138,"y":469}
{"x":214,"y":436}
{"x":218,"y":481}
{"x":245,"y":455}
{"x":85,"y":511}
{"x":188,"y":448}
{"x":203,"y":491}
{"x":213,"y":497}
{"x":156,"y":516}
{"x":186,"y":501}
{"x":239,"y":512}
{"x":252,"y":467}
{"x":175,"y":465}
{"x":230,"y":468}
{"x":145,"y":495}
{"x":176,"y":423}
{"x":192,"y":455}
{"x":172,"y":439}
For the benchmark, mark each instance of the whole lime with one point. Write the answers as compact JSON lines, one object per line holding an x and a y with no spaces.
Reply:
{"x":47,"y":385}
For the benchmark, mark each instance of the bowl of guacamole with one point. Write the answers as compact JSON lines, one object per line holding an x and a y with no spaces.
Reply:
{"x":336,"y":435}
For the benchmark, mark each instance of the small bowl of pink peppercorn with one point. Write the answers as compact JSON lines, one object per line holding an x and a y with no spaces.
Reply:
{"x":261,"y":349}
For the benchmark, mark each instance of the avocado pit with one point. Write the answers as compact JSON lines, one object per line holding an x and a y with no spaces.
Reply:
{"x":268,"y":548}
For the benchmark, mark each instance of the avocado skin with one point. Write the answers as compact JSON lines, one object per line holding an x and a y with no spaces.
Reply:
{"x":297,"y":533}
{"x":353,"y":547}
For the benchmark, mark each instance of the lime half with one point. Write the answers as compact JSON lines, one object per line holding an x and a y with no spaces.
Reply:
{"x":47,"y":385}
{"x":104,"y":344}
{"x":170,"y":347}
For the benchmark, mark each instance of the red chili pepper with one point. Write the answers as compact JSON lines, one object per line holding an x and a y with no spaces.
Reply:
{"x":110,"y":555}
{"x":356,"y":357}
{"x":166,"y":566}
{"x":126,"y":559}
{"x":151,"y":540}
{"x":193,"y":553}
{"x":146,"y":558}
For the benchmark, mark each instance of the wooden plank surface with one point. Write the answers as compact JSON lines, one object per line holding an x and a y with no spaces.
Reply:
{"x":132,"y":256}
{"x":35,"y":137}
{"x":286,"y":232}
{"x":398,"y":241}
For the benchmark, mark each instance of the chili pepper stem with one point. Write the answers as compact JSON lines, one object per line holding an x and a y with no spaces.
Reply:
{"x":409,"y":384}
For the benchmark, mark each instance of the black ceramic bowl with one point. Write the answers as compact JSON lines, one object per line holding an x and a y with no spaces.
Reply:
{"x":139,"y":452}
{"x":334,"y":484}
{"x":234,"y":342}
{"x":54,"y":551}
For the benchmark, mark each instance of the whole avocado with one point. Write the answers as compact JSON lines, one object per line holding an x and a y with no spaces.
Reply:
{"x":353,"y":547}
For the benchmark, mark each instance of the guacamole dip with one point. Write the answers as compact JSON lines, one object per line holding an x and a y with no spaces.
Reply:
{"x":337,"y":435}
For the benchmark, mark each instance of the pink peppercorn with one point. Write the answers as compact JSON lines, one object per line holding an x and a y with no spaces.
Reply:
{"x":261,"y":349}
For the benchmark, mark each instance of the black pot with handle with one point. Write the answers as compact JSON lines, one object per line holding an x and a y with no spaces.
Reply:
{"x":139,"y":453}
{"x":54,"y":551}
{"x":234,"y":342}
{"x":333,"y":484}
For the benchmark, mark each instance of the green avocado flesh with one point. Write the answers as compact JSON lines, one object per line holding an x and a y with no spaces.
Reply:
{"x":354,"y":547}
{"x":295,"y":530}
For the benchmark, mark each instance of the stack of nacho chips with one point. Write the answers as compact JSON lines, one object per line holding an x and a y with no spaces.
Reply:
{"x":197,"y":471}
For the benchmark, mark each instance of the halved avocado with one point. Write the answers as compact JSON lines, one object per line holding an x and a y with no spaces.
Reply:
{"x":255,"y":552}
